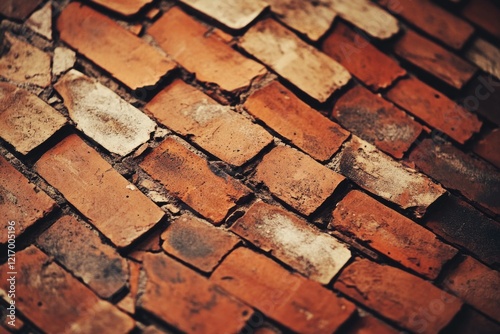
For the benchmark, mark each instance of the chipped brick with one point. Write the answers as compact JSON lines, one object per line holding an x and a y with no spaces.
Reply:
{"x":224,"y":133}
{"x":127,"y":304}
{"x":477,"y":285}
{"x":475,"y":179}
{"x":487,"y":147}
{"x":215,"y":61}
{"x":74,"y":308}
{"x":112,"y":47}
{"x":461,"y":224}
{"x":314,"y":254}
{"x":114,"y":206}
{"x":381,"y":175}
{"x":486,"y":56}
{"x":102,"y":268}
{"x":190,"y":178}
{"x":377,"y":121}
{"x":297,"y":179}
{"x":64,"y":59}
{"x":484,"y":13}
{"x":197,"y":242}
{"x":233,"y":14}
{"x":397,"y":295}
{"x":433,"y":20}
{"x":188,"y":300}
{"x":305,"y":127}
{"x":434,"y":59}
{"x":127,"y":7}
{"x":18,"y":10}
{"x":361,"y":58}
{"x":435,"y":109}
{"x":302,"y":305}
{"x":391,"y":234}
{"x":103,"y":115}
{"x":41,"y":21}
{"x":20,"y":201}
{"x":24,"y":63}
{"x":311,"y":71}
{"x":25,"y":120}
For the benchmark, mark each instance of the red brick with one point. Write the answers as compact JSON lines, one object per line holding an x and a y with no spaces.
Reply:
{"x":297,"y":179}
{"x":218,"y":129}
{"x":112,"y":47}
{"x":188,"y":300}
{"x":193,"y":180}
{"x":293,"y":119}
{"x":102,"y":268}
{"x":407,"y":300}
{"x":434,"y":59}
{"x":487,"y":147}
{"x":308,"y":69}
{"x":432,"y":19}
{"x":370,"y":325}
{"x":475,"y":179}
{"x":127,"y":7}
{"x":377,"y":121}
{"x":383,"y":176}
{"x":361,"y":58}
{"x":113,"y":205}
{"x":484,"y":13}
{"x":391,"y":234}
{"x":197,"y":242}
{"x":56,"y":302}
{"x":302,"y":305}
{"x":209,"y":58}
{"x":461,"y":224}
{"x":18,"y":10}
{"x":20,"y":201}
{"x":312,"y":253}
{"x":435,"y":109}
{"x":477,"y":285}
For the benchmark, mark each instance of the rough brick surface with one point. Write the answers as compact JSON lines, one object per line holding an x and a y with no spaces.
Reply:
{"x":392,"y":234}
{"x":297,"y":179}
{"x":112,"y":204}
{"x":218,"y":129}
{"x":189,"y":177}
{"x":74,"y":308}
{"x":20,"y":201}
{"x":305,"y":127}
{"x":398,"y":296}
{"x":102,"y":268}
{"x":112,"y":47}
{"x":187,"y":300}
{"x":308,"y":69}
{"x":301,"y":305}
{"x":377,"y":121}
{"x":314,"y":254}
{"x":361,"y":58}
{"x":197,"y":242}
{"x":488,"y":147}
{"x":215,"y":61}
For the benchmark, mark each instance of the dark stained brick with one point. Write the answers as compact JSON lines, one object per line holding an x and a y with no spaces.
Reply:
{"x":370,"y":325}
{"x":469,"y":321}
{"x":489,"y":147}
{"x":19,"y":10}
{"x":484,"y":13}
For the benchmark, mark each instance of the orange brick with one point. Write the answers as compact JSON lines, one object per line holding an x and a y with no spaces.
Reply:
{"x":302,"y":305}
{"x":377,"y":121}
{"x":477,"y":285}
{"x":305,"y":127}
{"x":112,"y":47}
{"x":361,"y":58}
{"x":434,"y":59}
{"x":127,"y":7}
{"x":197,"y":242}
{"x":188,"y":300}
{"x":391,"y":233}
{"x":432,"y":19}
{"x":74,"y":308}
{"x":297,"y":179}
{"x":20,"y":201}
{"x":113,"y":205}
{"x":398,"y":296}
{"x":445,"y":115}
{"x":209,"y":58}
{"x":190,"y":178}
{"x":218,"y":129}
{"x":484,"y":13}
{"x":488,"y":147}
{"x":127,"y":304}
{"x":314,"y":254}
{"x":102,"y":268}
